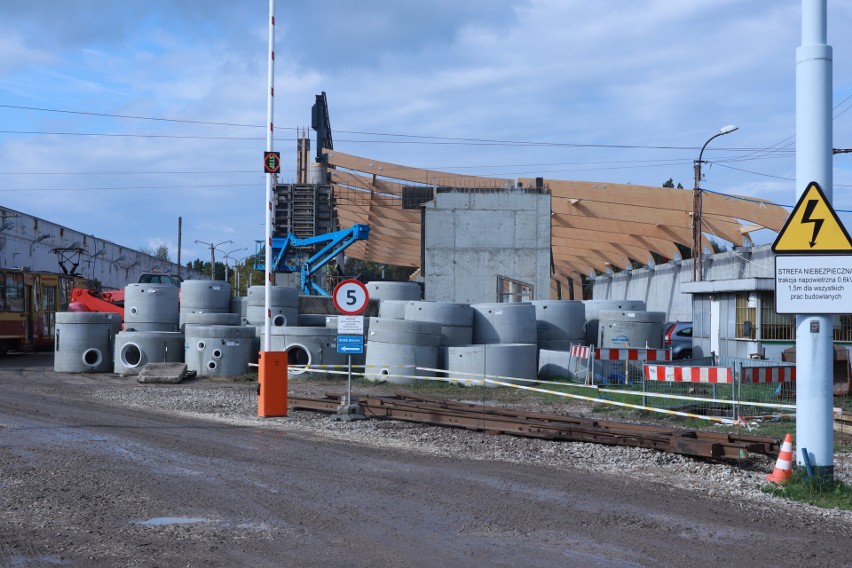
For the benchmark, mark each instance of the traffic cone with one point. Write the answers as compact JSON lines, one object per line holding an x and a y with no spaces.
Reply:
{"x":784,"y":464}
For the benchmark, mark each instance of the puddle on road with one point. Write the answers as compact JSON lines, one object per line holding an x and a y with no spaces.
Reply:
{"x":159,"y":521}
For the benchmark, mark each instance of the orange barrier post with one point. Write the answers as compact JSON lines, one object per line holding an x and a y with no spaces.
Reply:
{"x":784,"y":465}
{"x":272,"y":384}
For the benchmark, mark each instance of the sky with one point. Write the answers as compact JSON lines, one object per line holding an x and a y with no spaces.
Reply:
{"x":120,"y":118}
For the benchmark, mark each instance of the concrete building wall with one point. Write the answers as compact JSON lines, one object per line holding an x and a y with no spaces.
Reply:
{"x":471,"y":238}
{"x":27,"y":242}
{"x":658,"y":287}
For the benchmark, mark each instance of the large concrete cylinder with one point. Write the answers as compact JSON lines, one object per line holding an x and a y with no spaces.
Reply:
{"x":392,"y":309}
{"x":395,"y":362}
{"x":312,"y":346}
{"x":394,"y":291}
{"x":594,"y":307}
{"x":403,"y":332}
{"x":504,"y":323}
{"x":205,"y":295}
{"x":135,"y":349}
{"x":202,"y":318}
{"x":624,"y":329}
{"x":151,"y":307}
{"x":456,"y":320}
{"x":83,"y":342}
{"x":219,"y":350}
{"x":283,"y":303}
{"x":559,"y":320}
{"x":513,"y":363}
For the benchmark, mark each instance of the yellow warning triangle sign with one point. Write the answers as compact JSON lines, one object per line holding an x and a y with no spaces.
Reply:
{"x":813,"y":226}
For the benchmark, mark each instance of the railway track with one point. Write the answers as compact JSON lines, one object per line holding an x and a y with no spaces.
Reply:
{"x":440,"y":412}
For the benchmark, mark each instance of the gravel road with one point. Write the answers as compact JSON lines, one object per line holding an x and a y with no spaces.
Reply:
{"x":98,"y":470}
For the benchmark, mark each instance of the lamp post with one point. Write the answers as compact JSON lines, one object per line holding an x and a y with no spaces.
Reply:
{"x":213,"y":255}
{"x":227,"y":256}
{"x":697,"y":203}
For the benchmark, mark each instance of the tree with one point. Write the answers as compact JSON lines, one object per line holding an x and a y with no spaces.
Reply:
{"x":670,"y":183}
{"x":162,"y":253}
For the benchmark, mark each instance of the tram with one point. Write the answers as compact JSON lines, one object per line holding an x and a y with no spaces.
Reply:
{"x":28,"y":305}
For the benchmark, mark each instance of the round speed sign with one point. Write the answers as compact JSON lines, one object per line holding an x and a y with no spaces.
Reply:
{"x":350,"y":297}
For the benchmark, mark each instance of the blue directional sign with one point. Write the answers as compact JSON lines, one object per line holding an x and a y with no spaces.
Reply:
{"x":350,"y":344}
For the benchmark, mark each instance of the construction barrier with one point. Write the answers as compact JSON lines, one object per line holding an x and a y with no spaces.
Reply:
{"x":677,"y":374}
{"x":765,"y":375}
{"x":647,"y":354}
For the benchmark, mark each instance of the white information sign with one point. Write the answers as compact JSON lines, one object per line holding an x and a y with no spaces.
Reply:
{"x":813,"y":284}
{"x":350,"y":325}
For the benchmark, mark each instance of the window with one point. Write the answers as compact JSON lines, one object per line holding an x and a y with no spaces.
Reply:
{"x":509,"y":290}
{"x":746,"y":310}
{"x":14,"y":292}
{"x":773,"y":325}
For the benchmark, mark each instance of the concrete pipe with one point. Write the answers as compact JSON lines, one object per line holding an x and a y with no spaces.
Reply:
{"x":316,"y":320}
{"x":560,"y":320}
{"x":396,"y":363}
{"x":392,"y":309}
{"x":135,"y":349}
{"x":204,"y":318}
{"x":281,"y":316}
{"x":394,"y":291}
{"x":505,"y":362}
{"x":219,"y":350}
{"x":626,"y":329}
{"x":552,"y":364}
{"x":382,"y":330}
{"x":504,"y":323}
{"x":154,"y":305}
{"x":456,"y":320}
{"x":281,"y":296}
{"x":205,"y":295}
{"x":310,"y":346}
{"x":83,"y":342}
{"x":594,"y":307}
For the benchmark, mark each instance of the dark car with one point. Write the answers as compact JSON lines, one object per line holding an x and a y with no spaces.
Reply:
{"x":678,"y":336}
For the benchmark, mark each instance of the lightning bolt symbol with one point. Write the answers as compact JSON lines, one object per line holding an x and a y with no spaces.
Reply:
{"x":806,"y":218}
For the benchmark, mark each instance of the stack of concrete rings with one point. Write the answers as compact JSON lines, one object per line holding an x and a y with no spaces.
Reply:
{"x":283,"y":305}
{"x":456,"y":322}
{"x":395,"y":348}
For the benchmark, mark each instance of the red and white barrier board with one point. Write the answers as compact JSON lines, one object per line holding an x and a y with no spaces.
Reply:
{"x":633,"y":354}
{"x":758,"y":375}
{"x":673,"y":374}
{"x":580,"y":351}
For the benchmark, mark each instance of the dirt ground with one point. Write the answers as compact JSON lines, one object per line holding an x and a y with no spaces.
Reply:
{"x":101,"y":471}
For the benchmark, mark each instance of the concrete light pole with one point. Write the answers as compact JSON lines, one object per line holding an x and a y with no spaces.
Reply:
{"x":213,"y":255}
{"x":697,"y":204}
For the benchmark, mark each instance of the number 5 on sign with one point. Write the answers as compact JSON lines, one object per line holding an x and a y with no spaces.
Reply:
{"x":350,"y":297}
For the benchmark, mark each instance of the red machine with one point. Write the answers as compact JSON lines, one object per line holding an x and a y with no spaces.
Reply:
{"x":90,"y":300}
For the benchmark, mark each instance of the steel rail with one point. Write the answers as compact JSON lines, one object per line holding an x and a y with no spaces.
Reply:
{"x":499,"y":420}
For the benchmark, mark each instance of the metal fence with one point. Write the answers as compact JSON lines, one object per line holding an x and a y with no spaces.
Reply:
{"x":747,"y":389}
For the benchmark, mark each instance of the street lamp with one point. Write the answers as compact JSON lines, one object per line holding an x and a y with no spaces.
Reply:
{"x":697,"y":203}
{"x":213,"y":255}
{"x":227,"y":255}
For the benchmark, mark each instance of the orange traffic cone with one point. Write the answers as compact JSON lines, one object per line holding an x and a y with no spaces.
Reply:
{"x":784,"y":464}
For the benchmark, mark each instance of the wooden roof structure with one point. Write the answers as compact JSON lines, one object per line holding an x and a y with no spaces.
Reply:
{"x":594,"y":225}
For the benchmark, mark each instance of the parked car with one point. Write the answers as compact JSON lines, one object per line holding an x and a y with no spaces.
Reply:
{"x":678,"y":336}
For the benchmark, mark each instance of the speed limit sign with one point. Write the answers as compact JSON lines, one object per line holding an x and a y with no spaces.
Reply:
{"x":350,"y":297}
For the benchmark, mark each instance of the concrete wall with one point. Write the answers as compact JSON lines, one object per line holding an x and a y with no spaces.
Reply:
{"x":471,"y":238}
{"x":658,"y":287}
{"x":26,"y":242}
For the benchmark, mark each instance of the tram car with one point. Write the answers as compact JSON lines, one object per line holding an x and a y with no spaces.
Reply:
{"x":28,"y":305}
